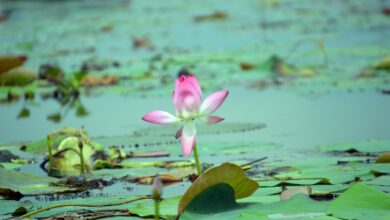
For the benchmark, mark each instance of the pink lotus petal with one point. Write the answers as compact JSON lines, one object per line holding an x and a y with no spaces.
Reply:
{"x":187,"y":101}
{"x":187,"y":95}
{"x":213,"y":101}
{"x":160,"y":117}
{"x":188,"y":138}
{"x":192,"y":79}
{"x":178,"y":133}
{"x":177,"y":83}
{"x":174,"y":93}
{"x":211,"y":119}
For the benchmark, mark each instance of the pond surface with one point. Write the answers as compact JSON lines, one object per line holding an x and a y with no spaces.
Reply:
{"x":295,"y":120}
{"x":308,"y":109}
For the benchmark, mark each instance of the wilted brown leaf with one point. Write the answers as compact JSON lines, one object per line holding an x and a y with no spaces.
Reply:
{"x":246,"y":66}
{"x":17,"y":77}
{"x":217,"y":15}
{"x":92,"y":81}
{"x":383,"y":158}
{"x":166,"y":179}
{"x":9,"y":62}
{"x":143,"y":42}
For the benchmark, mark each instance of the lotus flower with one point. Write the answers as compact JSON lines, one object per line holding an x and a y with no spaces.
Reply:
{"x":187,"y":99}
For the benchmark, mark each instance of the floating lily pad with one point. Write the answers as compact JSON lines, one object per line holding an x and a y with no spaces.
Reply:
{"x":292,"y":182}
{"x":331,"y":174}
{"x":144,"y":144}
{"x":26,"y":183}
{"x":163,"y":164}
{"x":329,"y":170}
{"x":299,"y":207}
{"x":242,"y":148}
{"x":363,"y":146}
{"x":361,"y":202}
{"x":7,"y":207}
{"x":168,"y":208}
{"x":380,"y":181}
{"x":263,"y":199}
{"x":315,"y":161}
{"x":202,"y":129}
{"x":10,"y":166}
{"x":321,"y":189}
{"x":264,"y":191}
{"x":79,"y":202}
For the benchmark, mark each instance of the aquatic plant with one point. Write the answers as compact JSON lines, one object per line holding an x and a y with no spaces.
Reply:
{"x":187,"y":98}
{"x":156,"y":195}
{"x":68,"y":152}
{"x":50,"y":152}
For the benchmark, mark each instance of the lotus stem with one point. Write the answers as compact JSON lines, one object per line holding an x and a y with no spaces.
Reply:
{"x":81,"y":158}
{"x":198,"y":167}
{"x":83,"y":205}
{"x":50,"y":153}
{"x":156,"y":195}
{"x":157,"y":209}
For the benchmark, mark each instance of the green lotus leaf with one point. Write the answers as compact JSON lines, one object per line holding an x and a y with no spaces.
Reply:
{"x":362,"y":146}
{"x":361,"y":202}
{"x":12,"y":182}
{"x":228,"y":174}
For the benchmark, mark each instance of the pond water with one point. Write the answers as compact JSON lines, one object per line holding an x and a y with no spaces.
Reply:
{"x":295,"y":120}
